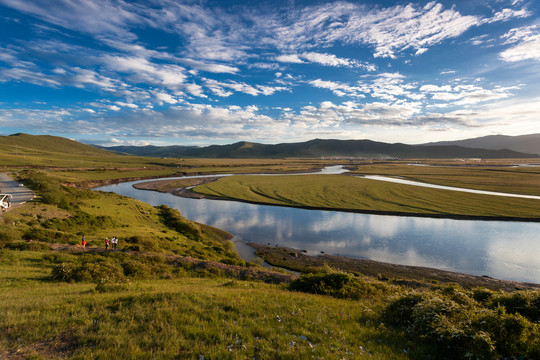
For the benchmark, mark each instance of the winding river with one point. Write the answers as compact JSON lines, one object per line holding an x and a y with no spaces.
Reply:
{"x":500,"y":249}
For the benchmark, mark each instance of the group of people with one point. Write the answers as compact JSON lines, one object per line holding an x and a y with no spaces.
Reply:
{"x":113,"y":241}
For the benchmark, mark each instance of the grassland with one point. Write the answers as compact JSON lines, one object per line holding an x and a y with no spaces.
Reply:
{"x":77,"y":164}
{"x":181,"y":318}
{"x":493,"y":175}
{"x":176,"y":289}
{"x":348,"y":193}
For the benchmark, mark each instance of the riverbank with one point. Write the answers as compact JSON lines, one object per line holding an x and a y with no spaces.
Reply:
{"x":410,"y":276}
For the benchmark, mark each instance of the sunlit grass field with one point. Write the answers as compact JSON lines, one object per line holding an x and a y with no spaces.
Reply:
{"x":357,"y":194}
{"x":182,"y":318}
{"x":500,"y":178}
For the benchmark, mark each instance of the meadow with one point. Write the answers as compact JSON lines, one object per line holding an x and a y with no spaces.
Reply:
{"x":177,"y":289}
{"x":348,"y":193}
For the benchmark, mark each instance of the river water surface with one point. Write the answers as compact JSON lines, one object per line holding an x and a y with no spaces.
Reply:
{"x":500,"y":249}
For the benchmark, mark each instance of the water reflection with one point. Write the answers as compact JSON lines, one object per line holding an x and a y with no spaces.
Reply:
{"x":506,"y":250}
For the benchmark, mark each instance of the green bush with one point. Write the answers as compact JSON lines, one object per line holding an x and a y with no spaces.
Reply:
{"x":399,"y":313}
{"x":516,"y":303}
{"x":47,"y":235}
{"x":173,"y":219}
{"x":7,"y":234}
{"x":136,"y":269}
{"x":510,"y":332}
{"x":339,"y":285}
{"x":87,"y":272}
{"x":231,"y":261}
{"x":29,"y":246}
{"x":466,"y":328}
{"x":142,"y":243}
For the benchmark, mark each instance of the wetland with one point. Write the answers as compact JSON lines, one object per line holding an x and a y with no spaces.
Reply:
{"x":494,"y":248}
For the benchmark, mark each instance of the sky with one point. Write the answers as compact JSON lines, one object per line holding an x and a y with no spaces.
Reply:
{"x":164,"y":72}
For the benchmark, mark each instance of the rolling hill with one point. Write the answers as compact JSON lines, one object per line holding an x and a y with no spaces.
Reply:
{"x":321,"y":148}
{"x":24,"y":144}
{"x":523,"y":143}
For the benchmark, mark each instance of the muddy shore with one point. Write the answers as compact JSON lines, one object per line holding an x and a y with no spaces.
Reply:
{"x":411,"y":276}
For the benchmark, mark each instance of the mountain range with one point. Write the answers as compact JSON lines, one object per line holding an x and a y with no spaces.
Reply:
{"x":485,"y":147}
{"x":523,"y":143}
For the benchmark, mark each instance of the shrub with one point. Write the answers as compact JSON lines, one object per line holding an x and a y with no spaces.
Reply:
{"x":518,"y":302}
{"x":30,"y":246}
{"x":339,"y":285}
{"x":136,"y":269}
{"x":62,"y":272}
{"x":399,"y":313}
{"x":482,"y":294}
{"x":141,"y":243}
{"x":465,"y":329}
{"x":510,"y":332}
{"x":90,"y":271}
{"x":47,"y":235}
{"x":173,"y":219}
{"x":8,"y":234}
{"x":231,"y":261}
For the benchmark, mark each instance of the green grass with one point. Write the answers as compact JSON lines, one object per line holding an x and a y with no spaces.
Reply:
{"x":182,"y":318}
{"x":491,"y":176}
{"x":143,"y":303}
{"x":186,"y":317}
{"x":62,"y":215}
{"x":356,"y":194}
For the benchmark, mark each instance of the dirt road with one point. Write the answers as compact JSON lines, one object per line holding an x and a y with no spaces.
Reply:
{"x":21,"y":194}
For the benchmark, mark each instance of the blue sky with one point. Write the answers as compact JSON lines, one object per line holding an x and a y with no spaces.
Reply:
{"x":114,"y":72}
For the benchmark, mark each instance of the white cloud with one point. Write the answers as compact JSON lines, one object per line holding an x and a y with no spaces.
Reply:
{"x":128,"y":105}
{"x":142,"y":70}
{"x":291,"y":58}
{"x":98,"y":17}
{"x":327,"y":59}
{"x":466,"y":94}
{"x":527,"y":44}
{"x":209,"y":67}
{"x":164,"y":97}
{"x":31,"y":76}
{"x":389,"y":30}
{"x":507,"y":14}
{"x":219,"y":88}
{"x":83,"y":77}
{"x":339,"y":89}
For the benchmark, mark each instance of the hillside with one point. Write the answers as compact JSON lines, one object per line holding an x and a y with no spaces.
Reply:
{"x":321,"y":148}
{"x":523,"y":143}
{"x":24,"y":144}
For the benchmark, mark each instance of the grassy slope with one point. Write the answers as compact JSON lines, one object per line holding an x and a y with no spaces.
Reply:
{"x":180,"y":318}
{"x":356,"y":194}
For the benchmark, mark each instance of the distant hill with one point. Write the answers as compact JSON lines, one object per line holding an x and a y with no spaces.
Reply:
{"x":46,"y":144}
{"x":524,"y":143}
{"x":320,"y":148}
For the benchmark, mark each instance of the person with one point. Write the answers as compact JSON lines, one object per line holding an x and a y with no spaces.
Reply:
{"x":106,"y":243}
{"x":114,"y":241}
{"x":83,"y":242}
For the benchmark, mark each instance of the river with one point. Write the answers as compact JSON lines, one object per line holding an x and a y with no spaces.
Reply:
{"x":500,"y":249}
